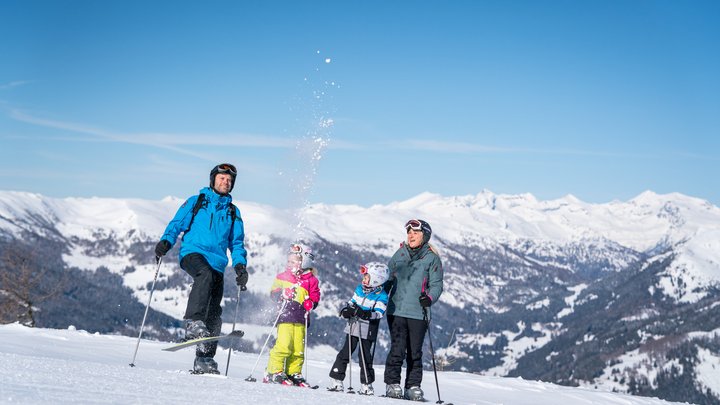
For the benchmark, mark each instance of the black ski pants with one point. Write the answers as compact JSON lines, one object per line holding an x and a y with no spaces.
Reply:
{"x":406,"y":340}
{"x":205,"y":298}
{"x":343,"y":358}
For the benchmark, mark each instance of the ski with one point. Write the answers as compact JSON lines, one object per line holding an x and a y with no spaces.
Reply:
{"x":192,"y":342}
{"x":312,"y":387}
{"x":348,"y":390}
{"x":300,"y":382}
{"x":214,"y":375}
{"x":420,"y":400}
{"x":304,"y":384}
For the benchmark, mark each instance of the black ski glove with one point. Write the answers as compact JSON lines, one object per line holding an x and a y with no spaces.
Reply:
{"x":347,"y":312}
{"x":241,"y":276}
{"x":425,"y":300}
{"x":162,"y":248}
{"x":364,"y":314}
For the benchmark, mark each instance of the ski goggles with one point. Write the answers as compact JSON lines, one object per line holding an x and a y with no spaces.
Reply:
{"x":227,"y":168}
{"x":363,"y":269}
{"x":413,"y":224}
{"x":298,"y":250}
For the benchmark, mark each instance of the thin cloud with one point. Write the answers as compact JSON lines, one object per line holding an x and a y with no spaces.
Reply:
{"x":473,"y":148}
{"x":16,"y":83}
{"x":174,"y":141}
{"x":345,"y":145}
{"x":166,"y":141}
{"x":456,"y":147}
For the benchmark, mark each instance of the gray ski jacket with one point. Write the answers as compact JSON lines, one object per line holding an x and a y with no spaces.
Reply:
{"x":413,"y":271}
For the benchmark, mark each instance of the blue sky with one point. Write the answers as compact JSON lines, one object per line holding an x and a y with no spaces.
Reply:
{"x":136,"y":99}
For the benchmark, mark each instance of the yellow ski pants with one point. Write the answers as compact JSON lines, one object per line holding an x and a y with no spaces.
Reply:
{"x":287,"y":354}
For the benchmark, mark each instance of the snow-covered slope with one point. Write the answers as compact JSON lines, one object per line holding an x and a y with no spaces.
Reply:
{"x":71,"y":367}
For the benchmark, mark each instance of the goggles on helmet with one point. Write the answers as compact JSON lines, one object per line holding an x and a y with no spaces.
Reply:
{"x":374,"y":274}
{"x":413,"y":224}
{"x":298,"y":250}
{"x":227,"y":168}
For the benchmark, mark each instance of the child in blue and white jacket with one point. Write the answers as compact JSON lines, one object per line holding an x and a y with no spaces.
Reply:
{"x":363,"y":312}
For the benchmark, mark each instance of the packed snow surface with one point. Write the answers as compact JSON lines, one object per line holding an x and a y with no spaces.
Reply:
{"x":72,"y":366}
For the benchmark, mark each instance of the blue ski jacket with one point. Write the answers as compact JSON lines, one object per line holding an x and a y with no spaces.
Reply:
{"x":212,"y":232}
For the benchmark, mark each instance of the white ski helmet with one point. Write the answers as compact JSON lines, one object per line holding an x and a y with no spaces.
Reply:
{"x":305,"y":253}
{"x":378,"y":272}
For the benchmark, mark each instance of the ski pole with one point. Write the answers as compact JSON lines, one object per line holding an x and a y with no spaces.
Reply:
{"x":351,"y":321}
{"x":305,"y":359}
{"x":432,"y":352}
{"x":147,"y":307}
{"x":237,"y":308}
{"x":362,"y":356}
{"x":250,"y":377}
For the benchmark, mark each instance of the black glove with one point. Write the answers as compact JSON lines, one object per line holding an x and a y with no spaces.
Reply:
{"x":162,"y":248}
{"x":364,"y":314}
{"x":241,"y":276}
{"x":425,"y":300}
{"x":348,"y":312}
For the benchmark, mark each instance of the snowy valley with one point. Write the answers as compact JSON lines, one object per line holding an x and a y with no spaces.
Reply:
{"x":622,"y":296}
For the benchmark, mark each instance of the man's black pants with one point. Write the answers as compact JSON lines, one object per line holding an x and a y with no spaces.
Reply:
{"x":205,"y":298}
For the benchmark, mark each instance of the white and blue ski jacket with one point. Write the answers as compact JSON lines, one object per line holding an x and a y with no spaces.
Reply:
{"x":373,"y":299}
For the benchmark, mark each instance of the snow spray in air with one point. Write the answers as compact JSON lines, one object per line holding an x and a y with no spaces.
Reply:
{"x":316,"y":123}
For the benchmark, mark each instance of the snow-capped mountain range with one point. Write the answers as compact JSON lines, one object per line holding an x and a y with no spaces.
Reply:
{"x":622,"y":295}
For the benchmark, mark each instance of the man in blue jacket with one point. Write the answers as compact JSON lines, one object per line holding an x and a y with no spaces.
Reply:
{"x":211,"y":225}
{"x":416,"y":282}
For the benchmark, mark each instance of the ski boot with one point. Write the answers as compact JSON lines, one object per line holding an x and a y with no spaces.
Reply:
{"x":393,"y":391}
{"x":414,"y":394}
{"x":195,"y":329}
{"x":366,"y":389}
{"x":205,"y":365}
{"x":298,"y":380}
{"x":277,"y":378}
{"x":336,"y":385}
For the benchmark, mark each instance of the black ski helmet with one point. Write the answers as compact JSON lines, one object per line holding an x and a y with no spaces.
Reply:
{"x":419,"y":225}
{"x":226,"y":168}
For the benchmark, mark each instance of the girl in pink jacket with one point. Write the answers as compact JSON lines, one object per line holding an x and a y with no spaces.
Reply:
{"x":298,"y":292}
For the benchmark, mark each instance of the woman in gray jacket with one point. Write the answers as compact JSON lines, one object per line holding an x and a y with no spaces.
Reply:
{"x":415,"y":284}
